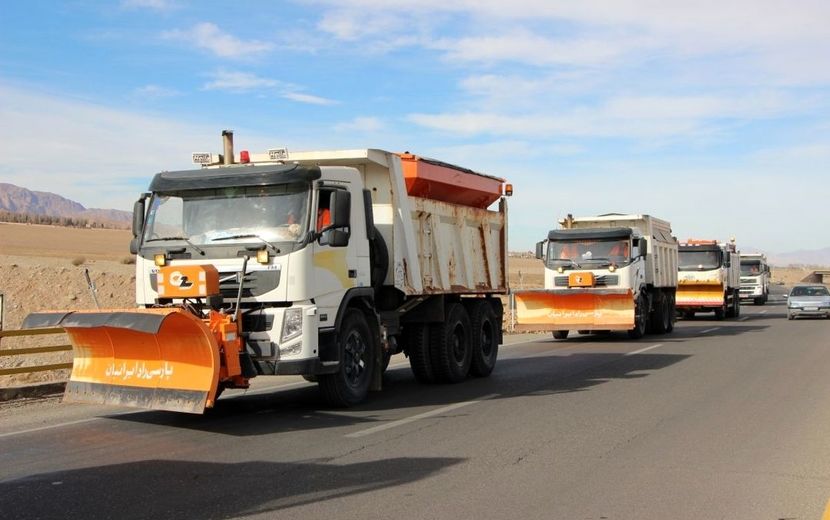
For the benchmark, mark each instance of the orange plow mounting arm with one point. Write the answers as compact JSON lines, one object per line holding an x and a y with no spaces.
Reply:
{"x":162,"y":359}
{"x":574,"y":309}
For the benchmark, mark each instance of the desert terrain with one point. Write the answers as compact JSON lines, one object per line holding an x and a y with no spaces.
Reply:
{"x":42,"y":268}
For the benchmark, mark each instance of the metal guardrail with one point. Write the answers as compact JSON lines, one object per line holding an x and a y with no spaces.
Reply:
{"x":32,"y":350}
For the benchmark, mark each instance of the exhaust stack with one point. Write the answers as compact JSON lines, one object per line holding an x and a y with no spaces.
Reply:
{"x":227,"y":145}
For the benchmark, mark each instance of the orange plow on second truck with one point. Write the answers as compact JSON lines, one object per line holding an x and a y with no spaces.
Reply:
{"x":162,"y":359}
{"x":575,"y":309}
{"x":700,"y":295}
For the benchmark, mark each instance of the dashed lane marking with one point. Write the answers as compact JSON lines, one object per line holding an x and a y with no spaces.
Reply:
{"x":425,"y":415}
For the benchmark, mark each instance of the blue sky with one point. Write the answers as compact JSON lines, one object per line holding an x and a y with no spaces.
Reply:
{"x":714,"y":115}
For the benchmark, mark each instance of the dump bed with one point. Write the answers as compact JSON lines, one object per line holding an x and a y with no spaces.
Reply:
{"x":661,"y":261}
{"x":440,"y":235}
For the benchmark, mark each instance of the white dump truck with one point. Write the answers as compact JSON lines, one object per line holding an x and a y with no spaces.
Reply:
{"x":755,"y":275}
{"x":320,"y":264}
{"x":709,"y":278}
{"x":611,"y":272}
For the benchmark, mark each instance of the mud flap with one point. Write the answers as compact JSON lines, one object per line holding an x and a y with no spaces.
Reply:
{"x":161,"y":359}
{"x":575,"y":309}
{"x":699,"y":295}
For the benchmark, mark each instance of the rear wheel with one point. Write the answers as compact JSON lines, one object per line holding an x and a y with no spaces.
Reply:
{"x":484,"y":338}
{"x":660,"y":318}
{"x":450,"y":348}
{"x":417,"y":349}
{"x":640,"y":318}
{"x":672,"y":314}
{"x":560,"y":334}
{"x":350,"y":385}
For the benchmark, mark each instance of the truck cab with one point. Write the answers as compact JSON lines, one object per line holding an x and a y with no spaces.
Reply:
{"x":708,"y":278}
{"x":755,"y":276}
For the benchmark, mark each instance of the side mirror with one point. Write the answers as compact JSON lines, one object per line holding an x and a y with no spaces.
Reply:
{"x":138,"y":216}
{"x":540,"y":250}
{"x":134,"y":246}
{"x":341,"y":208}
{"x":643,"y":246}
{"x":334,"y":238}
{"x":728,"y":261}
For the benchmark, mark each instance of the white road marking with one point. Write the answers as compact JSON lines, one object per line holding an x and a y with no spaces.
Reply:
{"x":709,"y":330}
{"x":407,"y":420}
{"x":59,"y":425}
{"x":643,"y":350}
{"x":762,"y":312}
{"x":744,"y":318}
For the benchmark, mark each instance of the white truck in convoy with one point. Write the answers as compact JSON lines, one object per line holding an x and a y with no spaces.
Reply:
{"x":610,"y":272}
{"x":755,"y":275}
{"x":320,"y":264}
{"x":709,"y":279}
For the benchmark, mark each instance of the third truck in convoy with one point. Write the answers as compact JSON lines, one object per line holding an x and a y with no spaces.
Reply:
{"x":610,"y":272}
{"x":709,"y":278}
{"x":755,"y":277}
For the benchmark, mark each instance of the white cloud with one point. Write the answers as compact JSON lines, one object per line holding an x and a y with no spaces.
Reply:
{"x":154,"y":92}
{"x":234,"y":81}
{"x":242,"y":82}
{"x":310,"y":99}
{"x":361,"y":124}
{"x":208,"y":36}
{"x":96,"y":155}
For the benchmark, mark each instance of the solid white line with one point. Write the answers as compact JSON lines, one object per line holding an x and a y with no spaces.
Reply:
{"x":709,"y":330}
{"x":743,"y":318}
{"x":407,"y":420}
{"x":60,"y":425}
{"x":643,"y":350}
{"x":762,"y":312}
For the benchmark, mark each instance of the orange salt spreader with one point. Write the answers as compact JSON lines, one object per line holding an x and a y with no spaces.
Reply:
{"x":176,"y":358}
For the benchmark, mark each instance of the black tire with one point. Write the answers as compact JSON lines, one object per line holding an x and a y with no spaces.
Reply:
{"x":660,"y":318}
{"x":640,"y":318}
{"x":737,"y":304}
{"x":483,"y":338}
{"x":730,"y":306}
{"x":387,"y":356}
{"x":416,"y":346}
{"x":583,"y":332}
{"x":560,"y":334}
{"x":758,"y":301}
{"x":450,"y":348}
{"x":350,"y":384}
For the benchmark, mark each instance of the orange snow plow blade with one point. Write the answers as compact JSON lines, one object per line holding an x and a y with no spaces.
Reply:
{"x":161,"y":359}
{"x":699,"y":295}
{"x":574,"y":310}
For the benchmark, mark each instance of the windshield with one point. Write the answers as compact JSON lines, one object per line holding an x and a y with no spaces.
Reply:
{"x":751,"y":268}
{"x":581,"y":252}
{"x":810,"y":291}
{"x":270,"y":213}
{"x":698,"y":260}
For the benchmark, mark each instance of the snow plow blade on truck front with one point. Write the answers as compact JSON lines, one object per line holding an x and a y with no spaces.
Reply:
{"x":576,"y":309}
{"x":162,"y":359}
{"x":166,"y":358}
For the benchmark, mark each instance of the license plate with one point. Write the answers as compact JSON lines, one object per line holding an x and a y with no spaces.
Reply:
{"x":810,"y":308}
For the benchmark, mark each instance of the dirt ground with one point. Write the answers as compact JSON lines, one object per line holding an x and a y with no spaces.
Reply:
{"x":42,"y":268}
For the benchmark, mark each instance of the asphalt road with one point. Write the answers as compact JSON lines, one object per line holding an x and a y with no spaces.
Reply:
{"x":725,"y":419}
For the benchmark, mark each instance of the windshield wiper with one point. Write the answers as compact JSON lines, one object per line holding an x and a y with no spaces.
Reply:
{"x":568,"y":260}
{"x":185,"y":239}
{"x":250,"y":235}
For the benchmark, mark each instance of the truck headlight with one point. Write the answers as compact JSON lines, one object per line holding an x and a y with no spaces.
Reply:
{"x":292,"y":324}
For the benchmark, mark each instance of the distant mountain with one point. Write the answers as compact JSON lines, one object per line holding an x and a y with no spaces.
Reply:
{"x":20,"y":200}
{"x":813,"y":257}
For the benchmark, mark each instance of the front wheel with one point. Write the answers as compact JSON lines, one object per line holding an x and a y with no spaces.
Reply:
{"x":640,"y":318}
{"x":350,"y":384}
{"x":560,"y":334}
